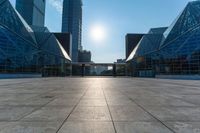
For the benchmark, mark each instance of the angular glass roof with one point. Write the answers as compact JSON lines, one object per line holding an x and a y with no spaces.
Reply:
{"x":49,"y":43}
{"x":186,"y":45}
{"x":10,"y":19}
{"x":41,"y":34}
{"x":15,"y":49}
{"x":149,"y":42}
{"x":186,"y":21}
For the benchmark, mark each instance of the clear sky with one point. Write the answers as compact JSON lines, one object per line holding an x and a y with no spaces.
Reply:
{"x":117,"y":17}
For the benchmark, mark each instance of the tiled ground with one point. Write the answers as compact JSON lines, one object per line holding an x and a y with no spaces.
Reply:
{"x":99,"y":105}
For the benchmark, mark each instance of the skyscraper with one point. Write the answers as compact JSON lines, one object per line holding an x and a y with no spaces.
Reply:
{"x":72,"y":23}
{"x":33,"y":11}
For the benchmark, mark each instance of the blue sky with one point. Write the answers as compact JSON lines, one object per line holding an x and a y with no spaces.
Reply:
{"x":119,"y":17}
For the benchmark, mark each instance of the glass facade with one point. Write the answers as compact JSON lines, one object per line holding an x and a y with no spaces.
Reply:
{"x":170,"y":51}
{"x":24,"y":48}
{"x":33,"y":11}
{"x":72,"y":23}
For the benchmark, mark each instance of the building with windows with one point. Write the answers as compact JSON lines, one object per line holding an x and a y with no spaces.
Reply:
{"x":174,"y":50}
{"x":27,"y":48}
{"x":33,"y":11}
{"x":85,"y":56}
{"x":72,"y":23}
{"x":120,"y":61}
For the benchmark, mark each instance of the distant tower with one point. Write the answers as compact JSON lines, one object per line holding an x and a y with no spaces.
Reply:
{"x":72,"y":23}
{"x":33,"y":11}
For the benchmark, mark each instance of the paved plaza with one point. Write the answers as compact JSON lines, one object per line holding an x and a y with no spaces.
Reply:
{"x":99,"y":105}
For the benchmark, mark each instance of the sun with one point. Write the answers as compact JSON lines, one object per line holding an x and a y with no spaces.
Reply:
{"x":98,"y":33}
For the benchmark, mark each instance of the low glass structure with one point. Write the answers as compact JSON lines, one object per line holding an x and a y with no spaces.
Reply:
{"x":170,"y":51}
{"x":24,"y":48}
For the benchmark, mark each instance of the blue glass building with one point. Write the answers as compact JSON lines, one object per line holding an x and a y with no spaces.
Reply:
{"x":72,"y":23}
{"x":33,"y":11}
{"x":24,"y":48}
{"x":170,"y":51}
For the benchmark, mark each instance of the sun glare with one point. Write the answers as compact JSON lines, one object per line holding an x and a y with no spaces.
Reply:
{"x":97,"y":33}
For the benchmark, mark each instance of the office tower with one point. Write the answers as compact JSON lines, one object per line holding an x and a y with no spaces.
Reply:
{"x":72,"y":23}
{"x":33,"y":11}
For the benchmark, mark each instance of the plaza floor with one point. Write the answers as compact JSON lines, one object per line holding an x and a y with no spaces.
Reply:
{"x":99,"y":105}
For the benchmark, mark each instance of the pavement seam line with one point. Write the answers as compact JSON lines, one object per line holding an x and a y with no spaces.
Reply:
{"x":39,"y":107}
{"x":109,"y":111}
{"x":149,"y":113}
{"x":71,"y":112}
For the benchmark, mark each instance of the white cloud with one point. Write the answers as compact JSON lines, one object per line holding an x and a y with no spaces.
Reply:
{"x":57,"y":4}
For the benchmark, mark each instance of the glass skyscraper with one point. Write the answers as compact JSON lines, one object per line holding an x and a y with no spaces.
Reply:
{"x":72,"y":23}
{"x":33,"y":11}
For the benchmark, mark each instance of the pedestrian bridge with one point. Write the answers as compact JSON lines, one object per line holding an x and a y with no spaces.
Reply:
{"x":89,"y":69}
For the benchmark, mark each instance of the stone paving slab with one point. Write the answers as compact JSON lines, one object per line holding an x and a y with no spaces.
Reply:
{"x":90,"y":114}
{"x":185,"y":127}
{"x":30,"y":127}
{"x":130,"y":113}
{"x":14,"y":113}
{"x":141,"y":127}
{"x":87,"y":127}
{"x":49,"y":114}
{"x":185,"y":114}
{"x":99,"y":105}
